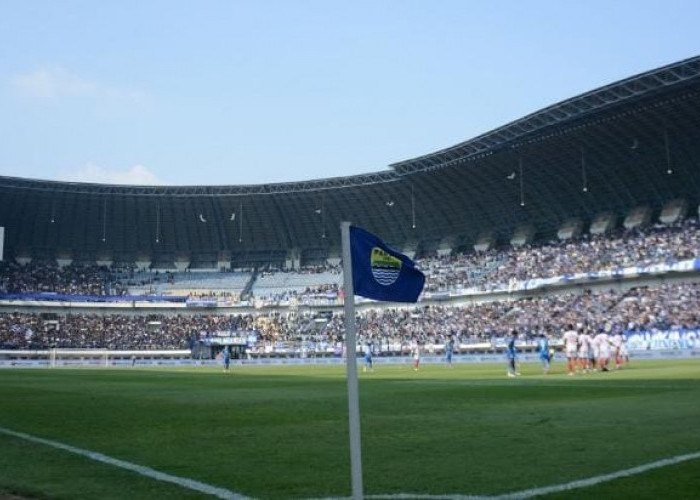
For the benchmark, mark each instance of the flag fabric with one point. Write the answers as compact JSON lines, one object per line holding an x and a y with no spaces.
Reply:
{"x":380,"y":273}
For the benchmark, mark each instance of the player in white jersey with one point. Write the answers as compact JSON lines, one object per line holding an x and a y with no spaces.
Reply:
{"x":624,"y":354}
{"x":584,"y":348}
{"x":570,"y":347}
{"x":616,"y":344}
{"x":595,"y":352}
{"x":603,"y":350}
{"x":416,"y":355}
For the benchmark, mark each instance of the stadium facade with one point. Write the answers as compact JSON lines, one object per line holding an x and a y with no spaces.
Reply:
{"x":634,"y":143}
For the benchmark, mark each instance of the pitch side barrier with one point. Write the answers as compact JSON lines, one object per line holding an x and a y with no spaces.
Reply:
{"x":154,"y":359}
{"x":91,"y":357}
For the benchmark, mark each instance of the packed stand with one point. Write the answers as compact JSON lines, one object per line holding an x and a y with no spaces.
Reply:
{"x":89,"y":331}
{"x":42,"y":278}
{"x":668,"y":306}
{"x":491,"y":270}
{"x":496,"y":269}
{"x":305,"y":285}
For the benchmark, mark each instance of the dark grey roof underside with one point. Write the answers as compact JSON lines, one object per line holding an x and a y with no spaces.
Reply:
{"x":618,"y":142}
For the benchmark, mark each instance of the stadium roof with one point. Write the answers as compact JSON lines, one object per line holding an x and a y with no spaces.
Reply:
{"x":633,"y":142}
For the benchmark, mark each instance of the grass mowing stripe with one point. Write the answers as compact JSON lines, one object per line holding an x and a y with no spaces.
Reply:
{"x":139,"y":469}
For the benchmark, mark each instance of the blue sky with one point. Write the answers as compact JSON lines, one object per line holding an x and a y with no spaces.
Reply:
{"x":247,"y":92}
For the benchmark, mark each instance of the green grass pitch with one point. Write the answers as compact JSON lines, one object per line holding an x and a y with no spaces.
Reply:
{"x":281,"y":432}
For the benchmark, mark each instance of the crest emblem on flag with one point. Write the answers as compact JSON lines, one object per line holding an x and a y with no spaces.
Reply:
{"x":385,"y":267}
{"x":381,"y":273}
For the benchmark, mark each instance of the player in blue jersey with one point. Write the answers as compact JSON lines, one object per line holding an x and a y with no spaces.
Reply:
{"x":511,"y":353}
{"x":226,"y":356}
{"x":368,"y":358}
{"x":543,"y":350}
{"x":449,"y":349}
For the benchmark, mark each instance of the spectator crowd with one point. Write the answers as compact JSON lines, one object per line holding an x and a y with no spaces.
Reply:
{"x":495,"y":269}
{"x":490,"y":270}
{"x":667,"y":306}
{"x":44,"y":278}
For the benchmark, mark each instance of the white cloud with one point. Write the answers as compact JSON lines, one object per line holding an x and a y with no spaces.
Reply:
{"x":50,"y":83}
{"x":135,"y":175}
{"x":53,"y":83}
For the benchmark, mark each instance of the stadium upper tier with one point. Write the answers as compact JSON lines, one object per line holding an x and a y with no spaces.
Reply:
{"x":661,"y":248}
{"x":631,"y":143}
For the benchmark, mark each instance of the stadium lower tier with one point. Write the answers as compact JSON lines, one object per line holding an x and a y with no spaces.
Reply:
{"x":661,"y":307}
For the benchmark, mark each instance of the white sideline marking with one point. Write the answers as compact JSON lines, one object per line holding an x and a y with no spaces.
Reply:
{"x":230,"y":495}
{"x":139,"y":469}
{"x":546,"y":490}
{"x":418,"y":496}
{"x":591,"y":481}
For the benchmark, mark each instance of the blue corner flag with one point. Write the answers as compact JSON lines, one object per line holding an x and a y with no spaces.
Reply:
{"x":380,"y":273}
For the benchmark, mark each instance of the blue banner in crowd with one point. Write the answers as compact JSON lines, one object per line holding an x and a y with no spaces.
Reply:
{"x":663,"y":339}
{"x":62,"y":297}
{"x":619,"y":272}
{"x":201,"y":303}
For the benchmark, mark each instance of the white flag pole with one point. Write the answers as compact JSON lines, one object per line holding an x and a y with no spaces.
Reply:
{"x":351,"y":358}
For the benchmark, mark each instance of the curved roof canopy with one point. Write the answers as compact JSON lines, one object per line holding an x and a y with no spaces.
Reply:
{"x":610,"y":149}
